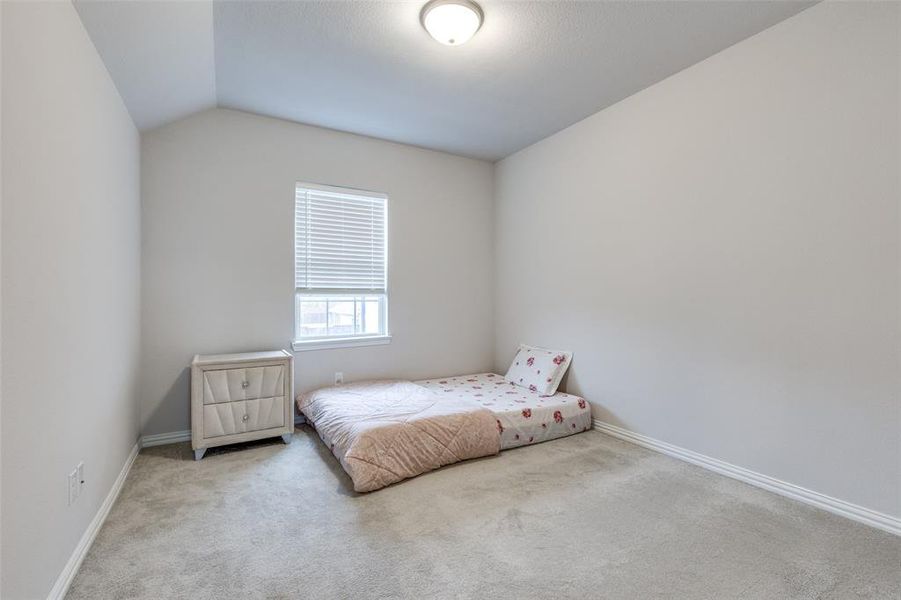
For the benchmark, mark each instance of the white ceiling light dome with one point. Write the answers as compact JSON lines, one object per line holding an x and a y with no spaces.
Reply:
{"x":451,"y":22}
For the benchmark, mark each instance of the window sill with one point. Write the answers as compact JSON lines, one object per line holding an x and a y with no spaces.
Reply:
{"x":351,"y":342}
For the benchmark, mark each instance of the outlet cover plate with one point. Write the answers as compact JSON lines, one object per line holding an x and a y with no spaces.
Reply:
{"x":73,"y":486}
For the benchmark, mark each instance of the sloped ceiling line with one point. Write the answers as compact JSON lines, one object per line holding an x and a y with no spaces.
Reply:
{"x":534,"y":68}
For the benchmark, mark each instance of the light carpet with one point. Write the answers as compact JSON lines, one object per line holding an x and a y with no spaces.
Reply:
{"x":587,"y":516}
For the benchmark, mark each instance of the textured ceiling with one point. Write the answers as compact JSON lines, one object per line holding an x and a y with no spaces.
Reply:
{"x":369,"y":67}
{"x":160,"y":54}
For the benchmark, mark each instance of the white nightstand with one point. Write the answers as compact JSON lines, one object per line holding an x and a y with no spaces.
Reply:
{"x":241,"y":397}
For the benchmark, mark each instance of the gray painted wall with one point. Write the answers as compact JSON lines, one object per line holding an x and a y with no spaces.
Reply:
{"x":70,"y":288}
{"x":218,"y":226}
{"x":721,"y":251}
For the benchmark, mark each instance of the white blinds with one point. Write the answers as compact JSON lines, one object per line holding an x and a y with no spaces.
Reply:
{"x":339,"y":240}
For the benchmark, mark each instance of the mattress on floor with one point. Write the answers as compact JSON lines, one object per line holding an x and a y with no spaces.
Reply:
{"x":386,"y":431}
{"x":523,"y":417}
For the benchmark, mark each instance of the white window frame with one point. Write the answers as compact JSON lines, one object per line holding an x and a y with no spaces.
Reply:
{"x":344,"y":341}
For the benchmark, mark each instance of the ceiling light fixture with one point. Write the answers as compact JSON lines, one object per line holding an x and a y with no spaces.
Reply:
{"x":451,"y":22}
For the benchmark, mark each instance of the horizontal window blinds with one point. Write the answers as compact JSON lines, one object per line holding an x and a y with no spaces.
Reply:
{"x":339,"y":240}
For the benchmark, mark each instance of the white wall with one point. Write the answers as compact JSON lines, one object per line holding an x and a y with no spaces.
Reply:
{"x":70,"y":288}
{"x":721,"y":251}
{"x":218,"y":210}
{"x":1,"y":291}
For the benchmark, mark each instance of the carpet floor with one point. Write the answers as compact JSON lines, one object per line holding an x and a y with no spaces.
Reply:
{"x":587,"y":516}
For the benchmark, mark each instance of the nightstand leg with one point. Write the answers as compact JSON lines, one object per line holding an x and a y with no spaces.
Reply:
{"x":198,"y":454}
{"x":286,"y":437}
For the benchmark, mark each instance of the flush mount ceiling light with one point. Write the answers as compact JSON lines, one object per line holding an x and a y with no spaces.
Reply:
{"x":451,"y":22}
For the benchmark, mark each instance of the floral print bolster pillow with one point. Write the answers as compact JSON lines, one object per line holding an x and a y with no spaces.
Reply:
{"x":539,"y":369}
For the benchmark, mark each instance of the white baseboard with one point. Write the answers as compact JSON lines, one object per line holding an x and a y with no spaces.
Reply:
{"x":834,"y":505}
{"x":161,"y":439}
{"x":84,"y":544}
{"x":174,"y":437}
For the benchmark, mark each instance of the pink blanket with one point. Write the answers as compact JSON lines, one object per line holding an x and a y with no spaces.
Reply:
{"x":385,"y":431}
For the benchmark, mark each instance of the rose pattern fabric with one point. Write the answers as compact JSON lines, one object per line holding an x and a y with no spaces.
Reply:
{"x":539,"y":369}
{"x":523,"y":416}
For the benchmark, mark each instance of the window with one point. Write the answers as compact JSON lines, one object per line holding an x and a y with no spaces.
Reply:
{"x":340,"y":267}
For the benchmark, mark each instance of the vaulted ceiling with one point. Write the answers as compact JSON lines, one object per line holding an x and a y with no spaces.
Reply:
{"x":534,"y":68}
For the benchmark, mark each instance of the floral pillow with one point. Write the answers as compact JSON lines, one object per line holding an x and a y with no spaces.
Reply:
{"x":539,"y":369}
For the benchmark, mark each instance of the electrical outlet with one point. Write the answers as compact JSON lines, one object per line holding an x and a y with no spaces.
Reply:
{"x":80,"y":469}
{"x":339,"y":377}
{"x":73,"y":486}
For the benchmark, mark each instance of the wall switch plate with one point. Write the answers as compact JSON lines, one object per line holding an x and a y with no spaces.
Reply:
{"x":339,"y":377}
{"x":73,"y":486}
{"x":80,"y":470}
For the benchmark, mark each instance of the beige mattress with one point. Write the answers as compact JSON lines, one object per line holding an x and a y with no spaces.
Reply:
{"x":385,"y":431}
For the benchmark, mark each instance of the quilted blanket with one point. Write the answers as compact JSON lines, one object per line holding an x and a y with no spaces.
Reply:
{"x":385,"y":431}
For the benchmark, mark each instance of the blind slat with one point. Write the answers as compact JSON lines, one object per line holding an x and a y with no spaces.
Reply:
{"x":350,"y":209}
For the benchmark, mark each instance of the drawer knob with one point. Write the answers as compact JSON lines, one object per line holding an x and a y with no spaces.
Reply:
{"x":244,"y":384}
{"x":244,"y":418}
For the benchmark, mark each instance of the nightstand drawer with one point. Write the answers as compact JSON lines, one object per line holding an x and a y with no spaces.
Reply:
{"x":231,"y":385}
{"x":228,"y":418}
